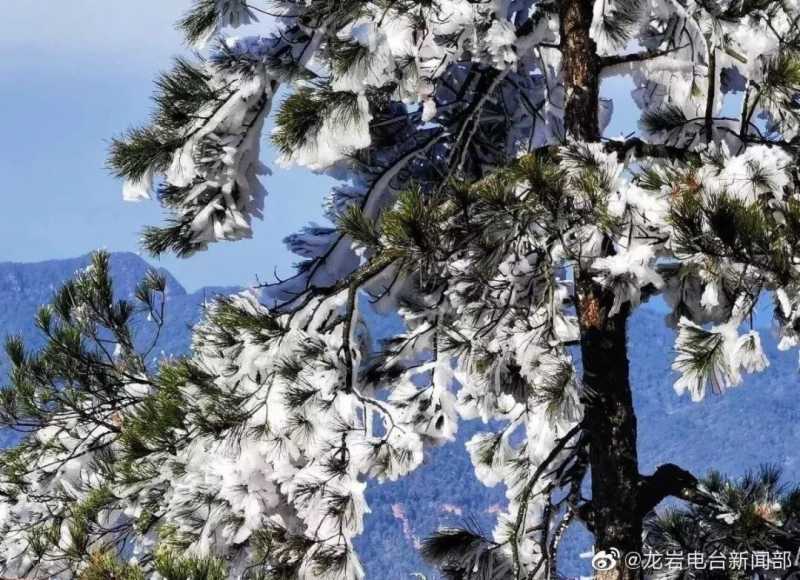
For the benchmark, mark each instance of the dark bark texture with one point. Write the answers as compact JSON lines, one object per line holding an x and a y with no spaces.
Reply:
{"x":610,"y":420}
{"x":581,"y":71}
{"x":611,"y":424}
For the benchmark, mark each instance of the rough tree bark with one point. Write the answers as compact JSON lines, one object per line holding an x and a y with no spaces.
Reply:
{"x":610,"y":420}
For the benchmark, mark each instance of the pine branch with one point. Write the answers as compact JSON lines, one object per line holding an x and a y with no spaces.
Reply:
{"x":618,"y":19}
{"x":461,"y":553}
{"x":618,"y":59}
{"x":207,"y":17}
{"x":751,"y":513}
{"x":368,"y":208}
{"x":667,"y":118}
{"x":642,"y":150}
{"x":525,"y":495}
{"x":669,"y":480}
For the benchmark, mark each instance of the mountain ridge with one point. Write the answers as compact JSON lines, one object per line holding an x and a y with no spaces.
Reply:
{"x":26,"y":286}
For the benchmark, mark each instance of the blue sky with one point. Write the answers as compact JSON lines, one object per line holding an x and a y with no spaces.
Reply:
{"x":75,"y":74}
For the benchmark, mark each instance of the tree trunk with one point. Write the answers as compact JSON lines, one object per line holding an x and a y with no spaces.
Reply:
{"x":611,"y":424}
{"x":610,"y":420}
{"x":581,"y":71}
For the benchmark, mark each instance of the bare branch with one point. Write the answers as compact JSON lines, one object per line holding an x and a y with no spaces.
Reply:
{"x":617,"y":59}
{"x":669,"y":480}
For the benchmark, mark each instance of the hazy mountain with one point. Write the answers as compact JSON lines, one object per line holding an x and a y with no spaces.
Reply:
{"x":24,"y":288}
{"x":755,"y":423}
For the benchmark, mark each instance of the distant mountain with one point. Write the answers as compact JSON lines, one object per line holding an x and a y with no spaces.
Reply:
{"x":755,"y":423}
{"x":24,"y":288}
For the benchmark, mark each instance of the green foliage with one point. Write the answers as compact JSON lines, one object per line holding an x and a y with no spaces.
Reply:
{"x":155,"y":423}
{"x":302,"y":114}
{"x":702,"y":351}
{"x":141,"y":151}
{"x":464,"y":553}
{"x":172,"y":238}
{"x":151,"y":287}
{"x":355,"y":224}
{"x":348,"y":57}
{"x":278,"y":554}
{"x":619,"y":20}
{"x":104,"y":565}
{"x":781,"y":84}
{"x":724,"y":226}
{"x":201,"y":21}
{"x":783,"y":73}
{"x":14,"y":467}
{"x":83,"y":516}
{"x":667,"y":118}
{"x":552,"y":393}
{"x":43,"y":536}
{"x":755,"y":513}
{"x":545,"y":179}
{"x":741,"y":227}
{"x":411,"y":227}
{"x":171,"y":566}
{"x":231,"y":315}
{"x":180,"y":95}
{"x":82,"y":327}
{"x":585,"y":197}
{"x":91,"y":387}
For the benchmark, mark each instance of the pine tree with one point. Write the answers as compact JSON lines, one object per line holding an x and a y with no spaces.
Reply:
{"x":480,"y":207}
{"x":756,"y":514}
